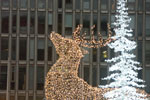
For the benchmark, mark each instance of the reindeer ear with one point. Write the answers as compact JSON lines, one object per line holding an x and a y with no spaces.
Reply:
{"x":84,"y":51}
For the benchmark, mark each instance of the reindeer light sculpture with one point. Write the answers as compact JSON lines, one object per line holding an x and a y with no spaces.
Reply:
{"x":62,"y":81}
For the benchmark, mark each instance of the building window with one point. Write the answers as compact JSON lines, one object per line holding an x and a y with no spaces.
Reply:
{"x":31,"y":77}
{"x":14,"y":3}
{"x":94,"y":54}
{"x":40,"y":77}
{"x":147,"y":52}
{"x":78,"y":2}
{"x":131,"y":4}
{"x":21,"y":97}
{"x":113,"y":5}
{"x":147,"y":74}
{"x":77,"y":19}
{"x":140,"y":5}
{"x":49,"y":50}
{"x":13,"y":49}
{"x":86,"y":57}
{"x":14,"y":21}
{"x":86,"y":73}
{"x":103,"y":74}
{"x":140,"y":25}
{"x":5,"y":3}
{"x":103,"y":54}
{"x":22,"y":48}
{"x":13,"y":75}
{"x":2,"y":96}
{"x":32,"y":23}
{"x":132,"y":23}
{"x":23,"y":22}
{"x":68,"y":24}
{"x":68,"y":4}
{"x":94,"y":75}
{"x":95,"y":4}
{"x":22,"y":78}
{"x":147,"y":25}
{"x":50,"y":23}
{"x":3,"y":77}
{"x":86,"y":4}
{"x":95,"y":19}
{"x":140,"y":51}
{"x":104,"y":21}
{"x":86,"y":23}
{"x":59,"y":23}
{"x":5,"y":21}
{"x":41,"y":4}
{"x":59,"y":3}
{"x":50,"y":4}
{"x":32,"y":48}
{"x":41,"y":22}
{"x":40,"y":49}
{"x":147,"y":5}
{"x":4,"y":48}
{"x":104,"y":4}
{"x":23,"y":3}
{"x":32,"y":3}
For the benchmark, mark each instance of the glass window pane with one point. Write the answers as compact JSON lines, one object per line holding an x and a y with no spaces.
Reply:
{"x":113,"y":5}
{"x":31,"y":77}
{"x":86,"y":73}
{"x":21,"y":97}
{"x":50,"y":4}
{"x":94,"y":54}
{"x":23,"y":3}
{"x":13,"y":49}
{"x":41,"y":4}
{"x":3,"y":77}
{"x":5,"y":3}
{"x":95,"y":4}
{"x":50,"y":23}
{"x":94,"y":76}
{"x":41,"y":22}
{"x":140,"y":25}
{"x":22,"y":48}
{"x":2,"y":96}
{"x":40,"y":98}
{"x":22,"y":78}
{"x":140,"y":5}
{"x":86,"y":56}
{"x":103,"y":54}
{"x":32,"y":22}
{"x":104,"y":21}
{"x":5,"y":22}
{"x":32,"y":48}
{"x":132,"y":23}
{"x":32,"y":3}
{"x":40,"y":49}
{"x":78,"y":4}
{"x":86,"y":23}
{"x":40,"y":78}
{"x":86,"y":4}
{"x":59,"y":3}
{"x":68,"y":4}
{"x":77,"y":19}
{"x":147,"y":5}
{"x":147,"y":25}
{"x":103,"y":74}
{"x":104,"y":4}
{"x":68,"y":24}
{"x":12,"y":97}
{"x":140,"y":51}
{"x":23,"y":22}
{"x":4,"y":48}
{"x":13,"y":76}
{"x":14,"y":21}
{"x":30,"y":97}
{"x":95,"y":20}
{"x":14,"y":3}
{"x":147,"y":74}
{"x":49,"y":50}
{"x":147,"y":52}
{"x":131,"y":4}
{"x":59,"y":23}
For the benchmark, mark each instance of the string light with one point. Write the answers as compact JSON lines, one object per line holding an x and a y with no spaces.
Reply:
{"x":62,"y":81}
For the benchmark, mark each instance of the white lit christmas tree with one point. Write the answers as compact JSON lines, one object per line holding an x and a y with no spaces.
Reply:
{"x":123,"y":67}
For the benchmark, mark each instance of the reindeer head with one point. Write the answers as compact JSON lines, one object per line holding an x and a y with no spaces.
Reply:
{"x":72,"y":48}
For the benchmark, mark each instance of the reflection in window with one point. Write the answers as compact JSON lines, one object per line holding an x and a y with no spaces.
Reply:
{"x":23,"y":3}
{"x":32,"y":49}
{"x":103,"y":54}
{"x":50,"y":4}
{"x":32,"y":3}
{"x":5,"y":21}
{"x":22,"y":78}
{"x":13,"y":49}
{"x":23,"y":22}
{"x":104,"y":4}
{"x":95,"y":18}
{"x":4,"y":48}
{"x":86,"y":56}
{"x":40,"y":77}
{"x":41,"y":22}
{"x":104,"y":21}
{"x":112,"y":20}
{"x":94,"y":76}
{"x":78,"y":4}
{"x":86,"y":23}
{"x":13,"y":75}
{"x":147,"y":74}
{"x":94,"y":54}
{"x":41,"y":4}
{"x":140,"y":5}
{"x":140,"y":51}
{"x":131,"y":4}
{"x":95,"y":4}
{"x":132,"y":23}
{"x":5,"y":3}
{"x":59,"y":3}
{"x":49,"y":50}
{"x":147,"y":5}
{"x":40,"y":49}
{"x":139,"y":24}
{"x":147,"y":25}
{"x":32,"y":22}
{"x":22,"y":48}
{"x":14,"y":21}
{"x":68,"y":4}
{"x":86,"y":4}
{"x":147,"y":52}
{"x":49,"y":23}
{"x":3,"y":77}
{"x":68,"y":24}
{"x":86,"y":73}
{"x":77,"y":19}
{"x":103,"y":74}
{"x":31,"y":77}
{"x":59,"y":23}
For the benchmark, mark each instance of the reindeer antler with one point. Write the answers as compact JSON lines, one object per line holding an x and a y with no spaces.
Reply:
{"x":92,"y":43}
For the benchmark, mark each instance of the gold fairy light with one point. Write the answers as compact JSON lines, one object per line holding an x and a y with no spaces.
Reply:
{"x":62,"y":81}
